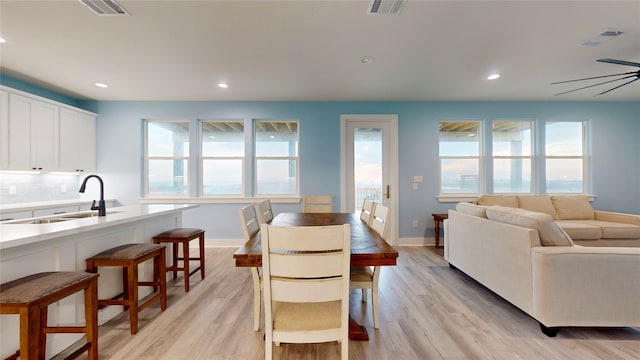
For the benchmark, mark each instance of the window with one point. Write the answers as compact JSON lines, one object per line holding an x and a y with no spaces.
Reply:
{"x":222,"y":152}
{"x":565,"y":157}
{"x":166,"y":157}
{"x":460,"y":157}
{"x":276,"y":157}
{"x":512,"y":156}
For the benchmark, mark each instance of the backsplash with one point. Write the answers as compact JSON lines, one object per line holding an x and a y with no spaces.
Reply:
{"x":22,"y":188}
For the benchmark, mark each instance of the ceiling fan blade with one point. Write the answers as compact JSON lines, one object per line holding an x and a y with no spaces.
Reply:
{"x":628,"y":82}
{"x":602,"y":83}
{"x":619,"y":62}
{"x":595,"y":77}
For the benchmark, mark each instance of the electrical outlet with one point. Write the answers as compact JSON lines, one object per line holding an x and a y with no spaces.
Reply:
{"x":12,"y":189}
{"x":63,"y":188}
{"x":415,"y":224}
{"x":415,"y":186}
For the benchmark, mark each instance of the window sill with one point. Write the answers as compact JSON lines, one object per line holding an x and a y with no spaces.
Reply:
{"x":216,"y":200}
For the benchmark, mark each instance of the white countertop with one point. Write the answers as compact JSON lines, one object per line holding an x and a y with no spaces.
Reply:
{"x":12,"y":235}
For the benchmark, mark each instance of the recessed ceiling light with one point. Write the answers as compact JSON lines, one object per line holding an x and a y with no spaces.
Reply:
{"x":102,"y":85}
{"x":2,"y":40}
{"x":223,"y":85}
{"x":493,"y":76}
{"x":367,"y":59}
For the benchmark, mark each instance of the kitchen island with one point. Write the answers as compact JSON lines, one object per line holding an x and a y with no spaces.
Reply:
{"x":62,"y":243}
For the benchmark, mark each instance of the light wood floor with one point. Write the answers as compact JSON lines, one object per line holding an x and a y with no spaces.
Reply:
{"x":427,"y":311}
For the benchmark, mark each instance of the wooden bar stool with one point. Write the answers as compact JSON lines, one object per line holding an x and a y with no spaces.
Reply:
{"x":30,"y":297}
{"x":183,"y":236}
{"x":128,"y":257}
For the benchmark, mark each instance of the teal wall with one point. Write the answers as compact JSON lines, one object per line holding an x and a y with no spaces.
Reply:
{"x":615,"y":149}
{"x":40,"y":91}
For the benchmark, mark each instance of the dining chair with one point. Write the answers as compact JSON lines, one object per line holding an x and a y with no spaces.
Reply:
{"x":367,"y":210}
{"x":306,"y":288}
{"x":317,"y":204}
{"x":265,"y":212}
{"x":366,"y":277}
{"x":250,"y":227}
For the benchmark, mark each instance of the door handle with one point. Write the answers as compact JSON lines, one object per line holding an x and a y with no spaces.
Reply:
{"x":388,"y":191}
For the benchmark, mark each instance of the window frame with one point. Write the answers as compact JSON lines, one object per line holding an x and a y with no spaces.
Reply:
{"x":584,"y":126}
{"x":480,"y":158}
{"x":532,"y":158}
{"x":147,"y":158}
{"x":202,"y":159}
{"x":256,"y":158}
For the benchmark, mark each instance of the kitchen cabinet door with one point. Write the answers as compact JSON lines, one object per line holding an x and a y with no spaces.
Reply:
{"x":4,"y":129}
{"x":77,"y":141}
{"x":32,"y":130}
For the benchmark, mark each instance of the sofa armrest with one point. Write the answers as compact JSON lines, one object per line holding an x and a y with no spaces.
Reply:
{"x":617,"y":217}
{"x":586,"y":286}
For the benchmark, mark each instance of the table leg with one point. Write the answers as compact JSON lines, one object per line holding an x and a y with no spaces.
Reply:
{"x":357,"y":332}
{"x":436,"y":229}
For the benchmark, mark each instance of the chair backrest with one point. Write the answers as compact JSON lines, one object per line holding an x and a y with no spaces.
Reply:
{"x":317,"y":204}
{"x":249,"y":221}
{"x":380,"y":219}
{"x":367,"y":210}
{"x":307,"y":264}
{"x":265,"y":213}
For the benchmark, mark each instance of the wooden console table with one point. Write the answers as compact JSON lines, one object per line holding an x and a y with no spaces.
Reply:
{"x":437,"y":219}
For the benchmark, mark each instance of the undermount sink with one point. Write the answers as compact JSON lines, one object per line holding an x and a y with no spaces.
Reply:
{"x":38,"y":221}
{"x":58,"y":218}
{"x":86,"y":215}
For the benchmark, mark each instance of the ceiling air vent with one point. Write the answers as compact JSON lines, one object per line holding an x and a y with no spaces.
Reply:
{"x":603,"y":37}
{"x":105,"y":7}
{"x":386,"y":7}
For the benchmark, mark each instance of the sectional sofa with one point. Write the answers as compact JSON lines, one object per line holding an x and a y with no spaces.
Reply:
{"x":574,"y":214}
{"x":528,"y":259}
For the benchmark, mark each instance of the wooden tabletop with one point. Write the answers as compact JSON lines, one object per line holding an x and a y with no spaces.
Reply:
{"x":367,"y":247}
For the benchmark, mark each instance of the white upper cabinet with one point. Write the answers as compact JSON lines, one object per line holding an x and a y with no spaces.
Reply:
{"x":77,"y":141}
{"x":4,"y":129}
{"x":32,"y":130}
{"x":39,"y":134}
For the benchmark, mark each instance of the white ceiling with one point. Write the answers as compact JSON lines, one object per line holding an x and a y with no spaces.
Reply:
{"x":311,"y":50}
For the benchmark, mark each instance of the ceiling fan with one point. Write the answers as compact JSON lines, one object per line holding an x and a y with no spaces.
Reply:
{"x":626,"y":75}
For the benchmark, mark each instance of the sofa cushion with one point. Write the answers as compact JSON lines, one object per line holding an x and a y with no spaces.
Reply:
{"x":550,"y":234}
{"x":539,"y":203}
{"x":616,"y":230}
{"x":504,"y":200}
{"x":472,"y":209}
{"x":573,"y":207}
{"x":580,"y":230}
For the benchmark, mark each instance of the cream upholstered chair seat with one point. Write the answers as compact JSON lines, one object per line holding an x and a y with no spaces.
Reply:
{"x":306,"y":317}
{"x":367,"y":277}
{"x":250,"y":227}
{"x":306,"y":285}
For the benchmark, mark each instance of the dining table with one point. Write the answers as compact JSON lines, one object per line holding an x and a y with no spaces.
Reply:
{"x":368,"y":248}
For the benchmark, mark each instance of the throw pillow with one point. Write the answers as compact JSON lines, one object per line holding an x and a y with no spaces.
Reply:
{"x":573,"y":207}
{"x":504,"y":200}
{"x":471,"y":209}
{"x":539,"y":203}
{"x":549,"y":232}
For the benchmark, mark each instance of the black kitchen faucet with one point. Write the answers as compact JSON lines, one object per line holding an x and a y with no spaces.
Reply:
{"x":102,"y":209}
